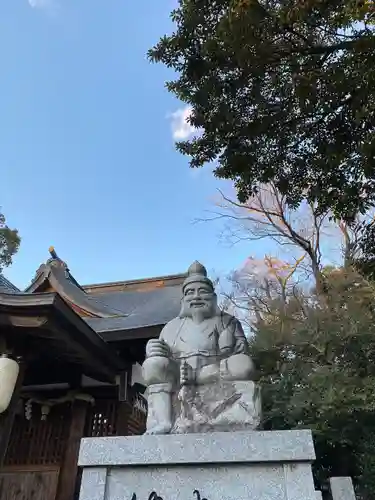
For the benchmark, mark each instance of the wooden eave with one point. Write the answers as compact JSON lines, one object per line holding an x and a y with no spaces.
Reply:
{"x":46,"y":317}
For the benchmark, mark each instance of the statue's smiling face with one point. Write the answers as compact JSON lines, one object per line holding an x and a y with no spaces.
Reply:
{"x":199,"y":298}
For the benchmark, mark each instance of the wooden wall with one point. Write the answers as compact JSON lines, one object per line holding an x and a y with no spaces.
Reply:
{"x":39,"y":484}
{"x":41,"y":460}
{"x":114,"y":418}
{"x":39,"y":442}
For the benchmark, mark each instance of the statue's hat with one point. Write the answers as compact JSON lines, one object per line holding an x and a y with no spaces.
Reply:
{"x":197,"y":273}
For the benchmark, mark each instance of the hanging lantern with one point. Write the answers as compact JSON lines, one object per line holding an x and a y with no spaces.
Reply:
{"x":9,"y":370}
{"x":45,"y":412}
{"x":28,"y":409}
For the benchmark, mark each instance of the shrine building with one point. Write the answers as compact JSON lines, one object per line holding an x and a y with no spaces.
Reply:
{"x":78,"y":349}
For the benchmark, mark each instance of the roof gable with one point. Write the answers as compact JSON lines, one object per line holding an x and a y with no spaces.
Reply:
{"x":55,"y":275}
{"x":115,"y":306}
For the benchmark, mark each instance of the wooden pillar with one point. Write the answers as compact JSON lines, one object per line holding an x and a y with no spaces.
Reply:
{"x":122,"y":419}
{"x":123,"y":410}
{"x":69,"y":468}
{"x":7,"y":418}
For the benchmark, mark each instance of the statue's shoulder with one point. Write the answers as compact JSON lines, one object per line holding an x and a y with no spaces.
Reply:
{"x":228,"y":320}
{"x":171,"y":328}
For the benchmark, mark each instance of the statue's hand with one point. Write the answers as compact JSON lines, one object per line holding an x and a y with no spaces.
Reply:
{"x":157,"y":347}
{"x":186,"y":374}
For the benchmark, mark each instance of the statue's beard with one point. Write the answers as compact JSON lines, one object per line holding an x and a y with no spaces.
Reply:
{"x":199,"y":314}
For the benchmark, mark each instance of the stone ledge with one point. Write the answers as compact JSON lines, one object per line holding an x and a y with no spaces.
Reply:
{"x":217,"y":447}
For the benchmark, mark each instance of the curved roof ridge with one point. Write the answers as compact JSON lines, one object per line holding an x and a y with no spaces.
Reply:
{"x":56,"y":272}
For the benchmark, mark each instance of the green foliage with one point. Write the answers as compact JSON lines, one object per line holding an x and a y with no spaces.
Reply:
{"x":9,"y":243}
{"x":317,"y":370}
{"x":364,"y":258}
{"x":281,"y":91}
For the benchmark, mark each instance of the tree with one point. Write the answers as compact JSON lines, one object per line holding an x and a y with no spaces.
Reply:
{"x":267,"y":215}
{"x":9,"y":243}
{"x":280,"y":91}
{"x":261,"y":290}
{"x":364,"y":255}
{"x":359,"y":244}
{"x":317,"y":370}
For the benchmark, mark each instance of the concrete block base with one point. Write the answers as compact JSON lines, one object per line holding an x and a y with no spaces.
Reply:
{"x":249,"y":465}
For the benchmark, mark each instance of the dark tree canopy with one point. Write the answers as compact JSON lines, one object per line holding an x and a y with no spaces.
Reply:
{"x":364,"y":257}
{"x":281,"y":91}
{"x":316,"y":360}
{"x":9,"y":243}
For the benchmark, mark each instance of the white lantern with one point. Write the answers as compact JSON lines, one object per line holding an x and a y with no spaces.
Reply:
{"x":9,"y":371}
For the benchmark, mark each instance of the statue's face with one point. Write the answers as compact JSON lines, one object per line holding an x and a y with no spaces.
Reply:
{"x":199,"y":299}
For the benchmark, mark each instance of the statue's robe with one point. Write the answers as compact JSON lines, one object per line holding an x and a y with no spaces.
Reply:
{"x":206,"y":342}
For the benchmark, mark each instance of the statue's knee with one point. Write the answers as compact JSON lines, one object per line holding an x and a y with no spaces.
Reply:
{"x":240,"y":367}
{"x":156,"y":370}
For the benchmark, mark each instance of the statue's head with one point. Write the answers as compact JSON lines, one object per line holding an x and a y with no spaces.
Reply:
{"x":199,"y":299}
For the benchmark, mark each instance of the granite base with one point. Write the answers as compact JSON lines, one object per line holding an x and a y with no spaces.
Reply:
{"x":342,"y":488}
{"x":251,"y":465}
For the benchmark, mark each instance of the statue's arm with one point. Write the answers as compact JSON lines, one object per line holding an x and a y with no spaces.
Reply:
{"x":240,"y":341}
{"x":237,"y":365}
{"x":232,"y":338}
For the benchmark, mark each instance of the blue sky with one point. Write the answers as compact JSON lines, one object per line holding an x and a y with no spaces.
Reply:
{"x":86,"y":145}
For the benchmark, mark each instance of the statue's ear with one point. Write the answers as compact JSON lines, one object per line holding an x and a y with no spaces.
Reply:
{"x":217,"y":308}
{"x":181,"y":313}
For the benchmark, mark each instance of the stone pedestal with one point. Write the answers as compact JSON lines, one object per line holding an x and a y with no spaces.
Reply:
{"x":342,"y":488}
{"x":244,"y":465}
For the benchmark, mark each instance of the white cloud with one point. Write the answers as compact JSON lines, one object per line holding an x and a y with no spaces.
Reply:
{"x":52,"y":8}
{"x":181,"y":129}
{"x":43,"y":4}
{"x":39,"y":4}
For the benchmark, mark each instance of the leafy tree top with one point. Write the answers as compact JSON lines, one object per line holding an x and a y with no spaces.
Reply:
{"x":280,"y":91}
{"x":9,"y":243}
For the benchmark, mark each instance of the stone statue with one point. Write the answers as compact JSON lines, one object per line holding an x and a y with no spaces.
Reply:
{"x":199,"y":372}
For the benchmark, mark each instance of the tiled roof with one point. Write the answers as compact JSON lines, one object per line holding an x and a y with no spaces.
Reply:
{"x":142,"y":308}
{"x":6,"y":286}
